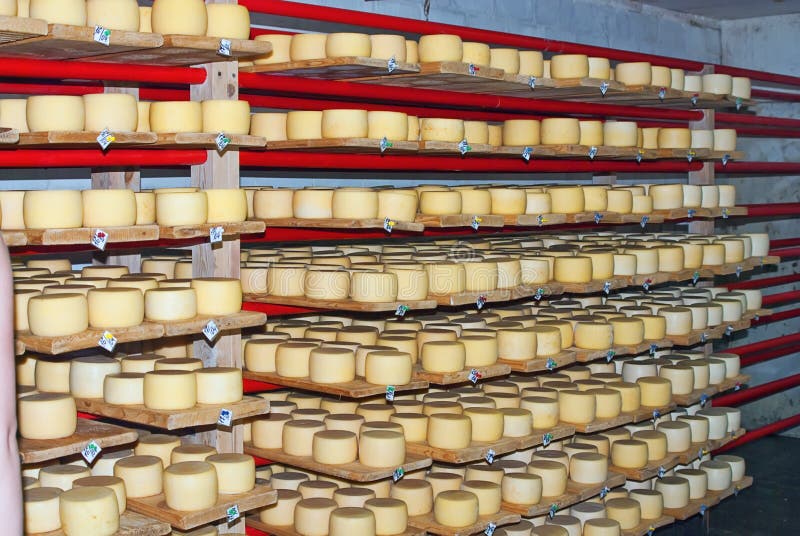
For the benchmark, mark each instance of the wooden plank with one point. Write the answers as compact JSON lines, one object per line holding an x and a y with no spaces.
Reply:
{"x":345,"y":145}
{"x":242,"y":319}
{"x":645,"y":413}
{"x":357,"y":388}
{"x":344,"y":68}
{"x":599,"y":425}
{"x":583,"y":355}
{"x":695,"y":507}
{"x":355,"y":471}
{"x":699,"y":336}
{"x":648,"y":526}
{"x":105,"y":435}
{"x":699,"y":395}
{"x":19,"y":347}
{"x":428,"y":523}
{"x":130,"y":524}
{"x":87,"y":339}
{"x":339,"y":305}
{"x":83,"y":235}
{"x":254,"y":522}
{"x":67,"y":42}
{"x":462,"y":376}
{"x":207,"y":140}
{"x":200,"y":415}
{"x":180,"y":232}
{"x":533,"y":151}
{"x":18,"y":28}
{"x":698,"y":450}
{"x":469,"y":297}
{"x":648,"y":471}
{"x":82,"y":139}
{"x":540,"y":436}
{"x":536,"y":220}
{"x":459,"y":220}
{"x":342,"y":223}
{"x":559,"y":360}
{"x":156,"y":507}
{"x":189,"y":50}
{"x":575,"y":493}
{"x":448,"y":148}
{"x":477,"y":450}
{"x":8,"y":135}
{"x":734,"y":489}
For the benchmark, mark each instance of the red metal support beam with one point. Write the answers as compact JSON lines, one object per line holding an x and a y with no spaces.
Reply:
{"x":736,"y":398}
{"x":741,"y":119}
{"x":776,"y":317}
{"x":781,"y":298}
{"x":755,"y":132}
{"x":135,"y":158}
{"x":788,"y":252}
{"x":767,"y":355}
{"x":758,"y":433}
{"x":760,"y":168}
{"x":775,"y":95}
{"x":758,"y":75}
{"x":772,"y":209}
{"x":784,"y":243}
{"x":768,"y":344}
{"x":764,"y":283}
{"x":84,"y":70}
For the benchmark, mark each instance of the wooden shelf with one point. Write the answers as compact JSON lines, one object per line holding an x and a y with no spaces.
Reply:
{"x":645,"y":413}
{"x":584,"y":356}
{"x":599,"y":425}
{"x":81,"y":235}
{"x":683,"y":213}
{"x":575,"y":493}
{"x":357,"y":388}
{"x":647,"y":526}
{"x":470,"y":298}
{"x":345,"y":145}
{"x":648,"y":471}
{"x":532,"y":220}
{"x":428,"y":523}
{"x":81,"y":139}
{"x":207,"y":140}
{"x":105,"y":435}
{"x":697,"y":395}
{"x":342,"y":223}
{"x":693,"y":452}
{"x":156,"y":507}
{"x":202,"y":230}
{"x":18,"y":28}
{"x":562,"y":359}
{"x":334,"y":68}
{"x":355,"y":471}
{"x":448,"y":148}
{"x":479,"y":449}
{"x":130,"y":524}
{"x":449,"y":75}
{"x":734,"y":489}
{"x":188,"y":50}
{"x":711,"y":499}
{"x":288,"y":530}
{"x":745,"y":266}
{"x":242,"y":319}
{"x":450,"y":378}
{"x":339,"y":305}
{"x":200,"y":415}
{"x":698,"y":336}
{"x":459,"y":220}
{"x":67,"y":42}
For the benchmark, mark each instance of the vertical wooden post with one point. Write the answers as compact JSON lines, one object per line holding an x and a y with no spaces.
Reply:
{"x":704,"y":176}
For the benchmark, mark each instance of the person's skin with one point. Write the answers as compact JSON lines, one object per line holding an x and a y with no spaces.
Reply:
{"x":11,"y":481}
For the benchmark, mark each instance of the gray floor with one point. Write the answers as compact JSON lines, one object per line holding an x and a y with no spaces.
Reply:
{"x":770,"y":507}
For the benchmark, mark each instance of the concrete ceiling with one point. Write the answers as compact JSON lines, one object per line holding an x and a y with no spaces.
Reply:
{"x":729,"y":9}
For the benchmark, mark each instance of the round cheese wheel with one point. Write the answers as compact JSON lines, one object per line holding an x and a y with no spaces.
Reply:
{"x":373,"y":287}
{"x":576,"y":406}
{"x":187,"y":17}
{"x":679,"y":320}
{"x":475,"y":53}
{"x":661,"y":76}
{"x":46,"y":416}
{"x":236,"y":473}
{"x":391,"y":515}
{"x":560,"y":131}
{"x":656,"y":443}
{"x":41,"y":510}
{"x":304,"y":125}
{"x":117,"y":112}
{"x":573,"y":269}
{"x":11,"y":202}
{"x":386,"y":46}
{"x":191,"y":453}
{"x":591,"y":133}
{"x":271,"y":126}
{"x":308,"y":46}
{"x":313,"y":203}
{"x":352,"y":497}
{"x":588,"y":468}
{"x":52,"y":209}
{"x":344,"y":124}
{"x":593,"y":335}
{"x":298,"y":436}
{"x":677,"y":79}
{"x":599,"y":68}
{"x":166,"y":304}
{"x":456,"y":508}
{"x":312,"y":516}
{"x":651,"y":502}
{"x":718,"y":84}
{"x":740,"y":87}
{"x":674,"y":138}
{"x":351,"y":520}
{"x":736,"y":463}
{"x":388,"y":368}
{"x":476,"y":131}
{"x":674,"y":490}
{"x":506,"y":59}
{"x":399,"y":205}
{"x":626,"y":512}
{"x":416,"y":494}
{"x":218,"y":295}
{"x":219,"y":385}
{"x":228,"y":20}
{"x":292,"y":359}
{"x":280,"y":50}
{"x":190,"y":485}
{"x":449,"y":130}
{"x":176,"y":116}
{"x":449,"y":431}
{"x":119,"y":307}
{"x":170,"y":389}
{"x":725,"y":140}
{"x":142,"y":475}
{"x":55,"y":315}
{"x":87,"y":373}
{"x":620,"y":134}
{"x":637,"y":73}
{"x":553,"y":475}
{"x":629,"y":453}
{"x":440,"y":47}
{"x":379,"y":448}
{"x":521,"y":132}
{"x":227,"y":116}
{"x":567,"y":199}
{"x":698,"y":482}
{"x":489,"y":495}
{"x":385,"y":124}
{"x":531,"y":63}
{"x":569,"y":66}
{"x":332,"y":365}
{"x":656,"y":392}
{"x":89,"y":510}
{"x":54,"y":12}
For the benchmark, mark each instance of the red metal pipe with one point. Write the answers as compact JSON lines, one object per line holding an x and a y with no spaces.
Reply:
{"x":784,"y":243}
{"x":413,"y":26}
{"x":293,"y":85}
{"x":740,"y":119}
{"x":773,"y":209}
{"x":762,"y":168}
{"x":775,"y":95}
{"x":764,"y":283}
{"x":769,"y":355}
{"x":758,"y":75}
{"x":736,"y":398}
{"x":776,"y":317}
{"x":768,"y":344}
{"x":758,"y":433}
{"x":754,"y":132}
{"x":788,"y":252}
{"x":298,"y":160}
{"x":253,"y":386}
{"x":48,"y":89}
{"x":84,"y":70}
{"x":781,"y":297}
{"x":276,"y":309}
{"x":43,"y":158}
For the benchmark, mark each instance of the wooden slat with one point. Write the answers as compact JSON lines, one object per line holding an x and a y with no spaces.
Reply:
{"x":66,"y":42}
{"x":87,"y":339}
{"x":202,"y":230}
{"x":459,"y":220}
{"x":344,"y":145}
{"x":200,"y":415}
{"x":462,"y":376}
{"x":448,"y":148}
{"x":357,"y":388}
{"x":334,"y":68}
{"x":428,"y":523}
{"x":208,"y":140}
{"x":537,"y":436}
{"x":559,"y":360}
{"x":242,"y":319}
{"x":645,"y":413}
{"x":532,"y":220}
{"x":648,"y":471}
{"x":734,"y":489}
{"x":18,"y":28}
{"x":342,"y":223}
{"x":355,"y":471}
{"x":696,"y":450}
{"x":698,"y":336}
{"x":697,"y":395}
{"x":694,"y":507}
{"x":156,"y":507}
{"x":83,"y":235}
{"x":339,"y":305}
{"x":105,"y":435}
{"x":647,"y":526}
{"x":469,"y":297}
{"x":189,"y":50}
{"x":575,"y":493}
{"x":256,"y":523}
{"x":584,"y":356}
{"x":130,"y":524}
{"x":599,"y":425}
{"x":85,"y":139}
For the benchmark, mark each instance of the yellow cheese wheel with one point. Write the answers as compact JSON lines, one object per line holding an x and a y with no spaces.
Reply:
{"x":475,"y":53}
{"x":620,"y":134}
{"x":506,"y":59}
{"x":438,"y":129}
{"x":725,"y":140}
{"x":190,"y":486}
{"x":674,"y":138}
{"x":591,"y":133}
{"x":110,"y":208}
{"x":142,"y":475}
{"x":588,"y":468}
{"x":661,"y":76}
{"x":218,"y":295}
{"x":553,"y":475}
{"x":176,"y":116}
{"x":521,"y":132}
{"x":170,"y":389}
{"x":560,"y":131}
{"x":13,"y":114}
{"x":718,"y":84}
{"x":117,"y":112}
{"x":569,"y":66}
{"x":344,"y":124}
{"x":308,"y":46}
{"x":450,"y":431}
{"x":89,"y":510}
{"x":599,"y":68}
{"x":236,"y":473}
{"x":271,"y":126}
{"x":386,"y":46}
{"x":385,"y":124}
{"x":54,"y":12}
{"x":226,"y":116}
{"x":677,"y":79}
{"x":52,"y":209}
{"x":187,"y":17}
{"x":567,"y":199}
{"x":440,"y":47}
{"x":456,"y":508}
{"x":46,"y":416}
{"x":181,"y":208}
{"x":531,"y":63}
{"x":11,"y":205}
{"x":111,"y":308}
{"x":228,"y":20}
{"x":740,"y":87}
{"x":280,"y":49}
{"x":634,"y":73}
{"x":41,"y":509}
{"x":219,"y":385}
{"x":674,"y":490}
{"x":381,"y":448}
{"x":55,"y":315}
{"x":340,"y":45}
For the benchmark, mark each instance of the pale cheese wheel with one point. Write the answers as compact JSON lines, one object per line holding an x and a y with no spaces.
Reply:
{"x":576,"y":407}
{"x":506,"y":59}
{"x":717,"y":422}
{"x":332,"y":365}
{"x":679,"y":320}
{"x":46,"y":416}
{"x":312,"y":516}
{"x":218,"y":295}
{"x":119,"y":307}
{"x":569,"y":66}
{"x":681,"y":378}
{"x":308,"y":46}
{"x":41,"y":509}
{"x":292,"y":359}
{"x":352,"y":497}
{"x":591,"y":133}
{"x":145,"y":209}
{"x":228,"y":20}
{"x":629,"y":453}
{"x":553,"y":475}
{"x":298,"y":436}
{"x":373,"y":287}
{"x":521,"y":132}
{"x":717,"y":84}
{"x":593,"y":335}
{"x":219,"y":385}
{"x":142,"y":475}
{"x":87,"y":374}
{"x":313,"y":203}
{"x":567,"y":199}
{"x":440,"y":47}
{"x":599,"y":68}
{"x":476,"y":132}
{"x":449,"y":431}
{"x":358,"y":203}
{"x":344,"y":124}
{"x":280,"y":49}
{"x":412,"y":51}
{"x":620,"y":134}
{"x":167,"y":304}
{"x":304,"y":125}
{"x":637,"y":73}
{"x":388,"y":368}
{"x":226,"y":116}
{"x":573,"y":269}
{"x":740,"y":87}
{"x":142,"y":116}
{"x":13,"y":114}
{"x":655,"y":391}
{"x":674,"y":138}
{"x":702,"y":139}
{"x":719,"y":474}
{"x":487,"y":423}
{"x":181,"y":208}
{"x":443,"y":356}
{"x":89,"y":510}
{"x":271,"y":126}
{"x":52,"y":209}
{"x":187,"y":17}
{"x":650,"y":137}
{"x":54,"y":12}
{"x":693,"y":83}
{"x":475,"y":53}
{"x":531,"y":63}
{"x":626,"y":512}
{"x":176,"y":116}
{"x":660,"y":76}
{"x":391,"y":515}
{"x":273,"y":203}
{"x":399,"y":205}
{"x":386,"y":46}
{"x":560,"y":131}
{"x":386,"y":124}
{"x":381,"y":448}
{"x":642,"y":204}
{"x":117,"y":112}
{"x":736,"y":463}
{"x":191,"y":453}
{"x":439,"y":129}
{"x":588,"y":468}
{"x":267,"y":430}
{"x":677,"y":79}
{"x":236,"y":473}
{"x":190,"y":485}
{"x":351,"y":520}
{"x":725,"y":140}
{"x":170,"y":389}
{"x":456,"y":508}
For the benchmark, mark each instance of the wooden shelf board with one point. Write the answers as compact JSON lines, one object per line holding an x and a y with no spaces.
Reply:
{"x":342,"y":223}
{"x":693,"y":508}
{"x":334,"y":68}
{"x":459,"y":220}
{"x":717,"y":332}
{"x":449,"y":75}
{"x":82,"y":139}
{"x":735,"y":487}
{"x":693,"y":452}
{"x":599,"y":425}
{"x":611,"y":218}
{"x":242,"y":319}
{"x":648,"y":525}
{"x":355,"y":471}
{"x":200,"y":415}
{"x":202,"y":230}
{"x":536,"y":437}
{"x":254,"y":522}
{"x":105,"y":435}
{"x":562,"y":359}
{"x":357,"y":388}
{"x":517,"y":151}
{"x":532,"y":220}
{"x":746,"y":265}
{"x":130,"y":524}
{"x":81,"y":235}
{"x":428,"y":523}
{"x":648,"y":471}
{"x":449,"y":148}
{"x":156,"y":507}
{"x":697,"y":395}
{"x":753,"y":315}
{"x":8,"y":135}
{"x":339,"y":305}
{"x":645,"y":413}
{"x":87,"y":339}
{"x":67,"y":42}
{"x":344,"y":145}
{"x":188,"y":50}
{"x":207,"y":140}
{"x":584,"y":356}
{"x":462,"y":376}
{"x":575,"y":493}
{"x":19,"y":28}
{"x":470,"y":298}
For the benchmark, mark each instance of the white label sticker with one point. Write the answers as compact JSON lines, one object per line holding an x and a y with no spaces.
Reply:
{"x":662,"y":92}
{"x":105,"y":139}
{"x":610,"y":355}
{"x":91,"y":451}
{"x":385,"y":144}
{"x":592,"y":152}
{"x":472,"y":69}
{"x":224,"y":47}
{"x":532,"y":82}
{"x":221,"y":141}
{"x":639,"y":156}
{"x":211,"y":330}
{"x":725,"y":159}
{"x":225,"y":417}
{"x":232,"y":513}
{"x":401,"y":310}
{"x":107,"y":341}
{"x":474,"y":376}
{"x":464,"y":147}
{"x":598,"y":217}
{"x":398,"y":474}
{"x":391,"y":65}
{"x":480,"y":302}
{"x":490,"y":456}
{"x":388,"y":224}
{"x":527,"y":152}
{"x":476,"y":222}
{"x":644,"y":221}
{"x":390,"y":393}
{"x":490,"y":528}
{"x":690,"y":156}
{"x":99,"y":239}
{"x":215,"y":234}
{"x":102,"y":35}
{"x":604,"y":88}
{"x":547,"y":439}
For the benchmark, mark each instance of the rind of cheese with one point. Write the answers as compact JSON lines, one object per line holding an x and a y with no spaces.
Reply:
{"x":190,"y":486}
{"x":46,"y":416}
{"x":236,"y":473}
{"x":89,"y":510}
{"x":475,"y":53}
{"x":560,"y":131}
{"x":176,"y":116}
{"x":186,"y":17}
{"x":637,"y":73}
{"x":142,"y":475}
{"x":717,"y":84}
{"x":344,"y":124}
{"x":506,"y":59}
{"x":620,"y":134}
{"x":440,"y":47}
{"x":521,"y":132}
{"x":52,"y":209}
{"x":55,"y":315}
{"x":13,"y":114}
{"x":226,"y":116}
{"x":569,"y":66}
{"x":308,"y":46}
{"x":674,"y":138}
{"x":386,"y":46}
{"x":629,"y":453}
{"x":170,"y":389}
{"x":118,"y":307}
{"x":531,"y":63}
{"x":117,"y":112}
{"x":456,"y":508}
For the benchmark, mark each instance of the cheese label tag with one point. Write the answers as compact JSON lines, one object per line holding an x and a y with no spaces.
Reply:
{"x":232,"y":513}
{"x":694,"y":99}
{"x":99,"y":239}
{"x":476,"y":222}
{"x":385,"y":144}
{"x":662,"y":92}
{"x":653,"y":348}
{"x":490,"y":456}
{"x":107,"y":341}
{"x":703,"y":509}
{"x":390,"y":393}
{"x":224,"y":48}
{"x":695,"y":277}
{"x":656,"y":415}
{"x":547,"y":439}
{"x":221,"y":141}
{"x":480,"y":302}
{"x":211,"y":330}
{"x":607,"y":287}
{"x":597,"y":217}
{"x":646,"y":284}
{"x":650,"y":530}
{"x":540,"y":220}
{"x":474,"y":376}
{"x":472,"y":69}
{"x":490,"y":528}
{"x":703,"y":337}
{"x":604,"y":492}
{"x":539,"y":294}
{"x":105,"y":139}
{"x":738,"y":103}
{"x":464,"y":147}
{"x":610,"y":355}
{"x":736,"y":491}
{"x":102,"y":35}
{"x":690,"y":156}
{"x":532,"y":82}
{"x":700,"y":453}
{"x":391,"y":65}
{"x":552,"y":511}
{"x":398,"y":474}
{"x":91,"y":451}
{"x":729,"y":331}
{"x":725,"y":159}
{"x":756,"y":318}
{"x":737,"y":387}
{"x":401,"y":310}
{"x":661,"y":472}
{"x":592,"y":152}
{"x":526,"y":154}
{"x":215,"y":234}
{"x":725,"y":213}
{"x":639,"y":156}
{"x":739,"y":271}
{"x":551,"y":364}
{"x":388,"y":223}
{"x":225,"y":417}
{"x":604,"y":88}
{"x":644,"y":221}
